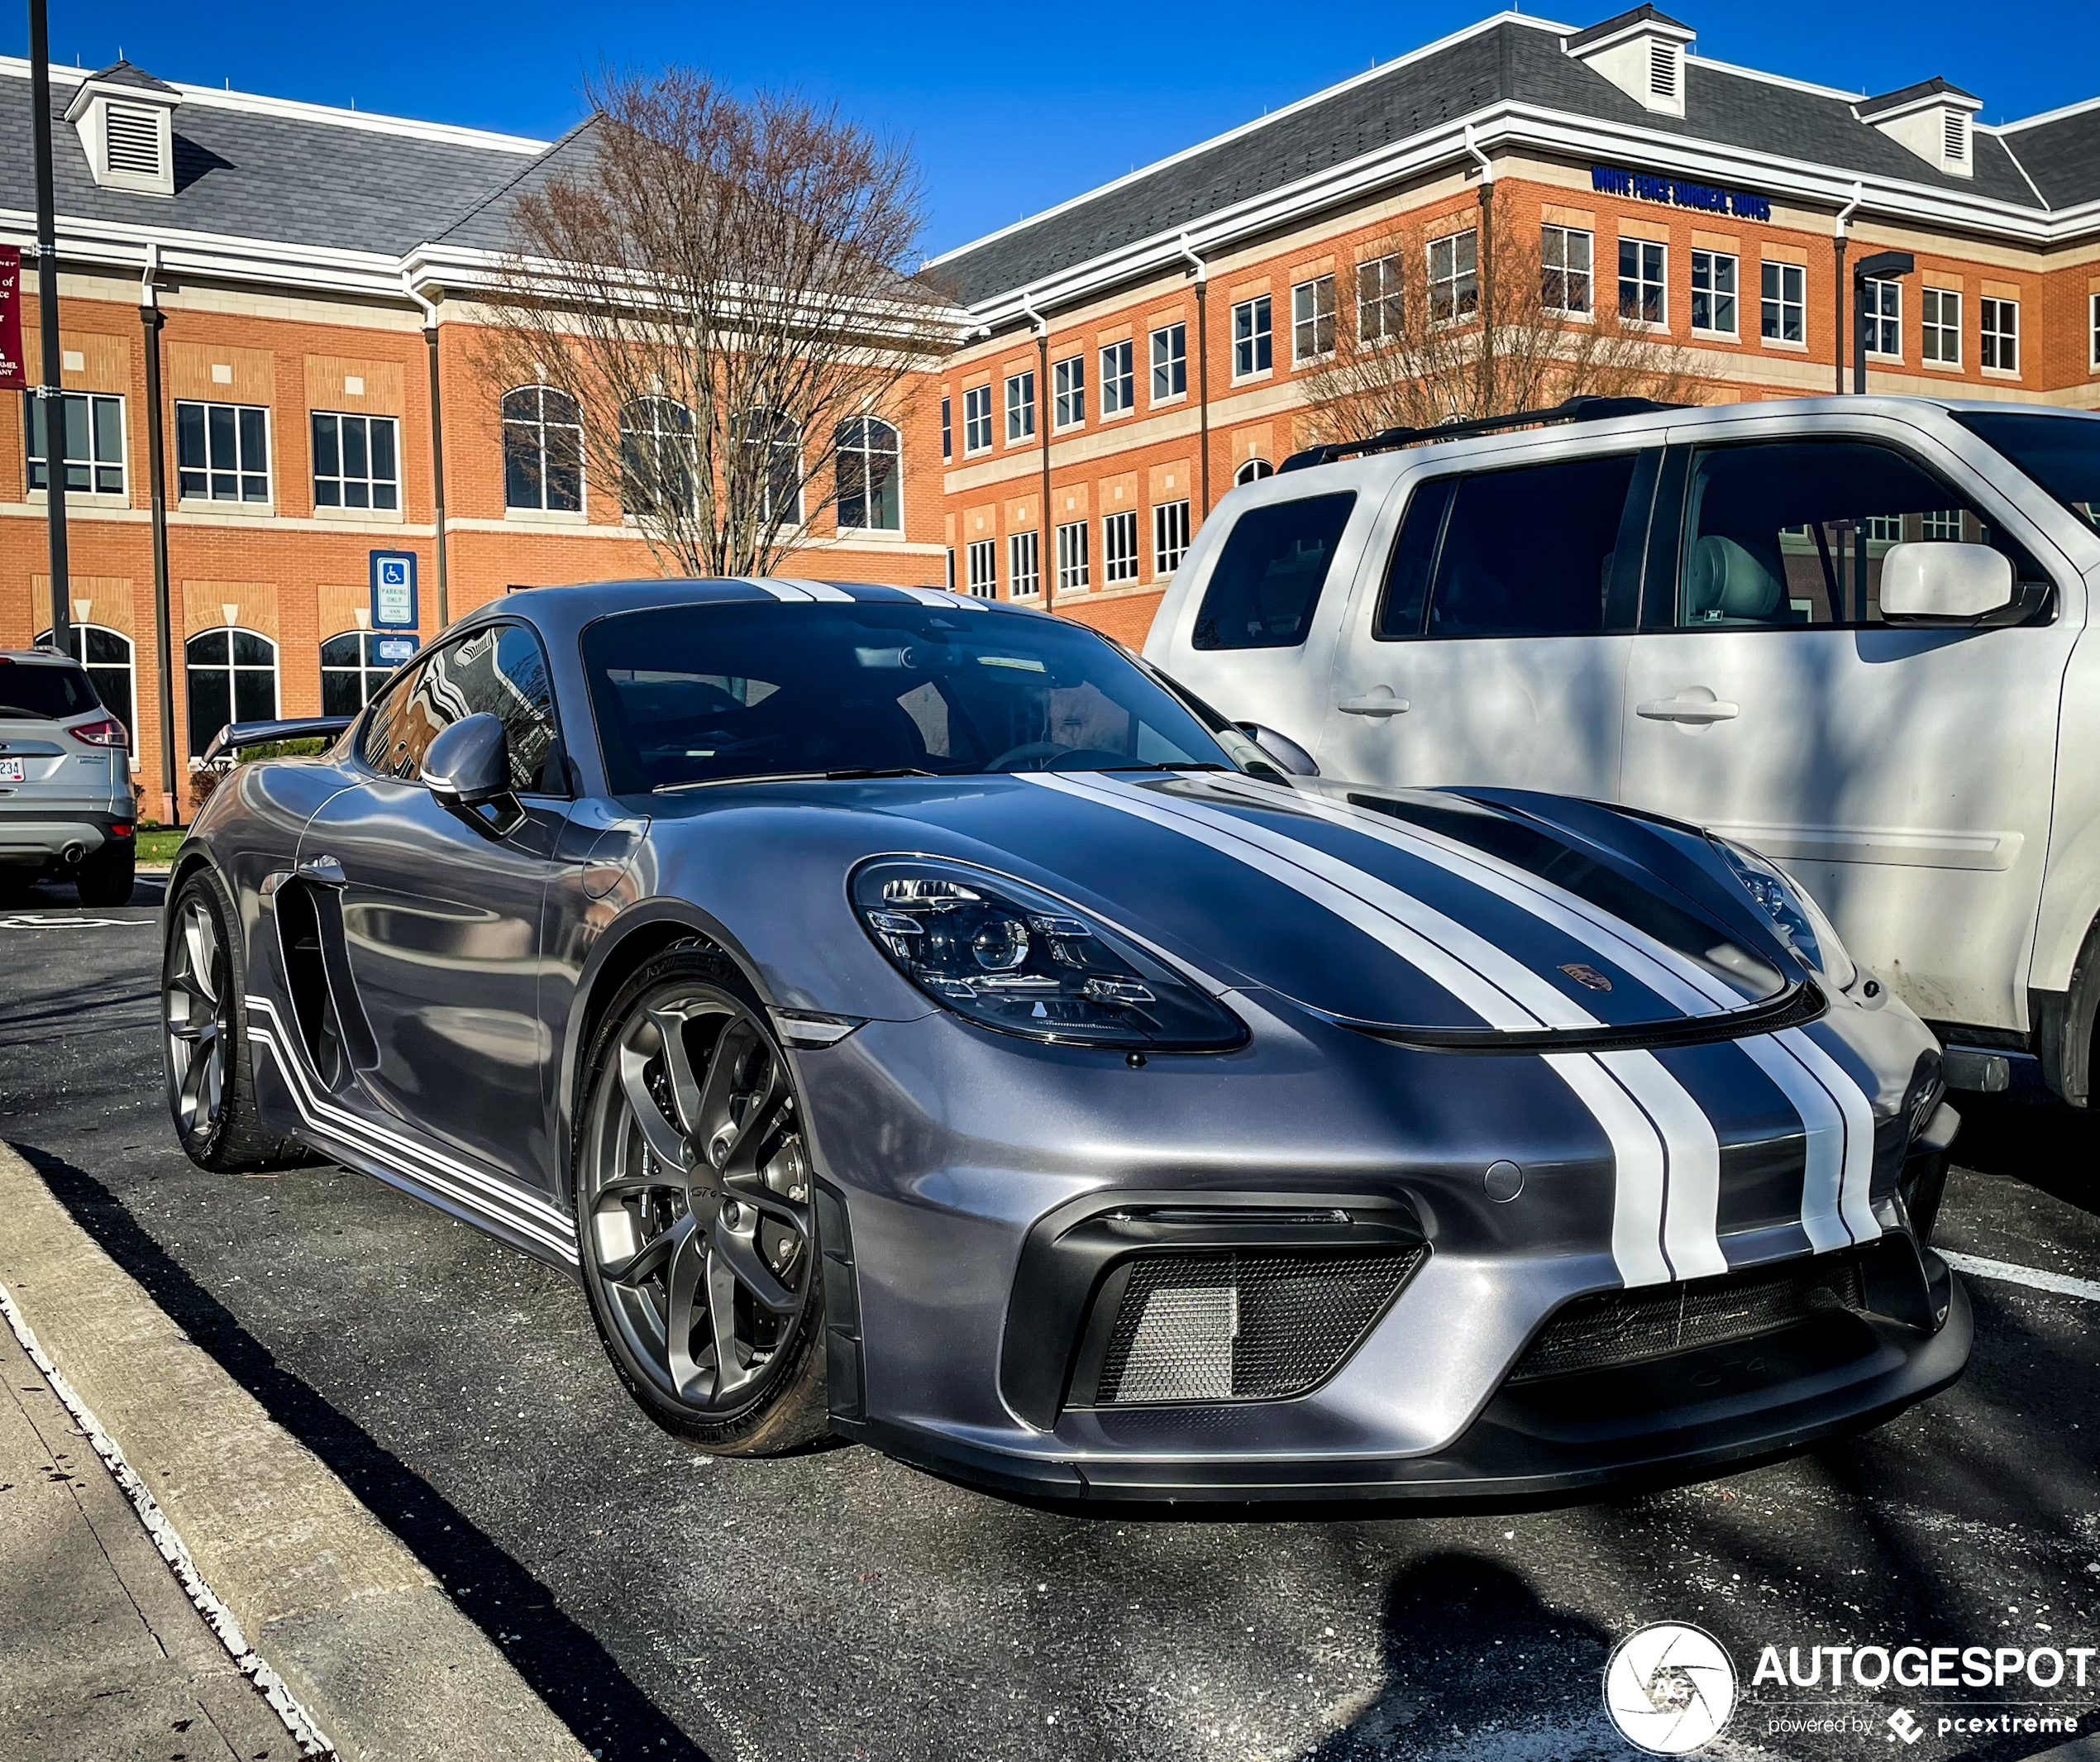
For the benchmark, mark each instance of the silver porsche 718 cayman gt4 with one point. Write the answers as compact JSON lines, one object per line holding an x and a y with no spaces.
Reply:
{"x":912,"y":1018}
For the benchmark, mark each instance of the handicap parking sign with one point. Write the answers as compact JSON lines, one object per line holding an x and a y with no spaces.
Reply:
{"x":393,"y":590}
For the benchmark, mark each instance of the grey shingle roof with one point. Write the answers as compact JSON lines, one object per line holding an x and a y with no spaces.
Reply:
{"x":2061,"y":155}
{"x":298,"y":180}
{"x":486,"y":225}
{"x":124,"y":73}
{"x":1508,"y":61}
{"x":1640,"y":14}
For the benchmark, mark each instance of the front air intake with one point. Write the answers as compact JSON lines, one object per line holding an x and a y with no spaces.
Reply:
{"x":1243,"y":1324}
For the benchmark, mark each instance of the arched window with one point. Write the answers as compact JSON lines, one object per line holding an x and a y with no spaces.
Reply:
{"x":656,"y":455}
{"x":543,"y":449}
{"x":107,"y":654}
{"x":356,"y":664}
{"x":1253,"y":472}
{"x":870,"y":476}
{"x":774,"y":467}
{"x":231,"y":676}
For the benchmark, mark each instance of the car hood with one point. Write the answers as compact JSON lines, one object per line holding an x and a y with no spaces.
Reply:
{"x":1444,"y":917}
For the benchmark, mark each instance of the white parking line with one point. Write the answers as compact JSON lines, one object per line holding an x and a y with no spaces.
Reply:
{"x":2060,"y":1282}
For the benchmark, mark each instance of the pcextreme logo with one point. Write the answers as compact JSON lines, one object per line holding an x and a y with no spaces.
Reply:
{"x":1669,"y":1688}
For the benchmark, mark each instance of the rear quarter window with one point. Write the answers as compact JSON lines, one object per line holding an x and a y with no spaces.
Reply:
{"x":1266,"y":584}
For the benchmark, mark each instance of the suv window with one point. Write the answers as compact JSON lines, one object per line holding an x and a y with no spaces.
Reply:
{"x":32,"y":691}
{"x":1523,"y":552}
{"x":502,"y":670}
{"x":1266,"y":584}
{"x":1791,"y":534}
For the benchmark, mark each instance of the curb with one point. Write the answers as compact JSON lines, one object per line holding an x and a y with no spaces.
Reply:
{"x":303,"y":1585}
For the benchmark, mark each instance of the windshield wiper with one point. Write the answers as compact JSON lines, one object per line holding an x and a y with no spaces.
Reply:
{"x":850,"y":774}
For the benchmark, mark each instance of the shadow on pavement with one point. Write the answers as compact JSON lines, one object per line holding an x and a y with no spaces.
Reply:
{"x":2040,"y":1142}
{"x":563,"y":1662}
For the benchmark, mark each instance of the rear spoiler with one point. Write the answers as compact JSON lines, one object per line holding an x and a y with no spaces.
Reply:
{"x":235,"y":735}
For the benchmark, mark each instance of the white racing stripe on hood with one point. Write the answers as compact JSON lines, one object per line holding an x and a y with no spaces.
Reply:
{"x":1659,"y":1136}
{"x":1828,"y":1101}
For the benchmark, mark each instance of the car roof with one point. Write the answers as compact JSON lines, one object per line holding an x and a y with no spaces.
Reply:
{"x":556,"y":611}
{"x":35,"y":657}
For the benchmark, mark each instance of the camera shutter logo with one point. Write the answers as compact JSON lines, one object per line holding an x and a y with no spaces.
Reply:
{"x":1669,"y":1688}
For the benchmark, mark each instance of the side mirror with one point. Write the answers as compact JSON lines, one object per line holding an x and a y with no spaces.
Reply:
{"x":1287,"y":752}
{"x":467,"y":766}
{"x":1947,"y":584}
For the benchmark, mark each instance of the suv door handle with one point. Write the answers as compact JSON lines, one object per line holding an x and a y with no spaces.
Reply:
{"x":325,"y":869}
{"x":1688,"y":710}
{"x":1378,"y":701}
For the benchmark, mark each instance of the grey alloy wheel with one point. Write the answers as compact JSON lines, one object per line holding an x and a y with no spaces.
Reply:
{"x":197,"y":1006}
{"x":694,"y":1202}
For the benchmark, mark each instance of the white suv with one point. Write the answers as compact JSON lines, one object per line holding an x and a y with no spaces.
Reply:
{"x":1845,"y":631}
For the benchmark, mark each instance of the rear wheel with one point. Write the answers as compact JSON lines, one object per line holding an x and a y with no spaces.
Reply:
{"x":107,"y":878}
{"x":211,"y":1080}
{"x":694,"y":1215}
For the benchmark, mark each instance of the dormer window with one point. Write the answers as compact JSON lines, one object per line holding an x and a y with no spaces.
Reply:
{"x":1642,"y":53}
{"x":126,"y":121}
{"x":1934,"y":120}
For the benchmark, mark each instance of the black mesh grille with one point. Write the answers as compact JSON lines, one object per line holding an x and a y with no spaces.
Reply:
{"x":1627,"y":1327}
{"x":1258,"y":1325}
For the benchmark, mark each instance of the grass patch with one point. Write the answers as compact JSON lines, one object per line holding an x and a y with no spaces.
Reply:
{"x":157,"y":844}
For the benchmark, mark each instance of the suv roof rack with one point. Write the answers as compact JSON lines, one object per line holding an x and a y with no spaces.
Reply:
{"x":1573,"y":410}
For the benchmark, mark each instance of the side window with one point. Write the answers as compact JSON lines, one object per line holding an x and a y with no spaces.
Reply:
{"x":1524,"y":552}
{"x":1265,"y":586}
{"x":1791,"y":534}
{"x":501,"y":671}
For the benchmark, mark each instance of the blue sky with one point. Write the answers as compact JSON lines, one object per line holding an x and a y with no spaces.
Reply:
{"x":1009,"y":109}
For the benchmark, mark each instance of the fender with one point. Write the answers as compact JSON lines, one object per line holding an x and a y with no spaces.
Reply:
{"x":2062,"y":1024}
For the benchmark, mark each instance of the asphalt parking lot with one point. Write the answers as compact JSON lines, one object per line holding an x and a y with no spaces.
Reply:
{"x":839,"y":1605}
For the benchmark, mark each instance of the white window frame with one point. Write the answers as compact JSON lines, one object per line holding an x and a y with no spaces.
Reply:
{"x":232,"y":669}
{"x":370,"y":674}
{"x":1254,"y":339}
{"x":539,"y":427}
{"x":1715,"y":293}
{"x":976,"y":420}
{"x":1024,"y":565}
{"x":343,"y":481}
{"x":93,"y":466}
{"x":1791,"y":279}
{"x":1940,"y":327}
{"x":948,"y":429}
{"x":1550,"y":235}
{"x":867,"y":451}
{"x":1073,"y":571}
{"x":1649,"y":255}
{"x":1252,"y":472}
{"x":1170,"y":537}
{"x":1020,"y":406}
{"x":1379,"y":311}
{"x":2093,"y":330}
{"x":1172,"y":361}
{"x":1119,"y":559}
{"x":128,"y":715}
{"x":1881,"y":322}
{"x":1997,"y":323}
{"x":1454,"y":292}
{"x":1118,"y":379}
{"x":983,"y":561}
{"x":1068,"y":393}
{"x":1312,"y":327}
{"x":240,"y":468}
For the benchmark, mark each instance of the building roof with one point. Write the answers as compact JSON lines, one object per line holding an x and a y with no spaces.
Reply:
{"x":264,"y":169}
{"x":1507,"y":59}
{"x":2061,"y":152}
{"x":123,"y":74}
{"x":1869,"y":107}
{"x":1640,"y":15}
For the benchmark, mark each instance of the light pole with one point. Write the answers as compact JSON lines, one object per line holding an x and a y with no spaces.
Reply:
{"x":1884,"y":265}
{"x":50,"y":399}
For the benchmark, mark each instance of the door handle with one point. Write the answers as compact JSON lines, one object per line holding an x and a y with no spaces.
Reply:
{"x":1378,"y":701}
{"x":1689,"y":709}
{"x":326,"y":869}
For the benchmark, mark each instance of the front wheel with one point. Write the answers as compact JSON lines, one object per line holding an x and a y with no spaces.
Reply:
{"x":694,"y":1212}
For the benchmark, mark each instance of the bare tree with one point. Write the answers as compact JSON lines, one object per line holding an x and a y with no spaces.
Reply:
{"x":719,"y":285}
{"x":1438,"y":329}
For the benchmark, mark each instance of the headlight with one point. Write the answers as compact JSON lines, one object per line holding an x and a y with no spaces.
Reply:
{"x":1010,"y":957}
{"x":1800,"y":919}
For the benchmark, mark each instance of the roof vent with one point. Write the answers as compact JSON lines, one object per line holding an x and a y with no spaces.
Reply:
{"x":126,"y":121}
{"x":1642,"y":53}
{"x":1933,"y":120}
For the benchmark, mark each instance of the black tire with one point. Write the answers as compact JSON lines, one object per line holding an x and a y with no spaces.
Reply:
{"x":632,"y":1203}
{"x":217,"y":1123}
{"x":107,"y":878}
{"x":17,"y":883}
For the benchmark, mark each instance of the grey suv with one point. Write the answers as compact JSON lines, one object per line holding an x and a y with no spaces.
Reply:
{"x":65,"y":781}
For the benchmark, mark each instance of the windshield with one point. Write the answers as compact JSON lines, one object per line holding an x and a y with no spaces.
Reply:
{"x":704,"y":694}
{"x":2061,"y":453}
{"x":43,"y":693}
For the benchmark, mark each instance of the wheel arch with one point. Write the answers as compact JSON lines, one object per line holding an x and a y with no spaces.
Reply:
{"x":2062,"y":1024}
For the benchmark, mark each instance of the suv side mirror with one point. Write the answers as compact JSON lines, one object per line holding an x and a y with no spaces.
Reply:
{"x":1287,"y":753}
{"x":467,"y":766}
{"x":1943,"y":583}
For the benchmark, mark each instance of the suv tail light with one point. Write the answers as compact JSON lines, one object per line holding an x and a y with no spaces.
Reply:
{"x":107,"y":731}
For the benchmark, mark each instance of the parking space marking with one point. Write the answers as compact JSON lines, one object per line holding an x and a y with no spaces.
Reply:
{"x":70,"y":921}
{"x":2060,"y":1282}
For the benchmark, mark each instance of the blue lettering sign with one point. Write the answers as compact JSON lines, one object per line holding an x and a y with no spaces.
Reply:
{"x":1682,"y":193}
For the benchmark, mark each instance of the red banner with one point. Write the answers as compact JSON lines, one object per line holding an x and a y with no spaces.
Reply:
{"x":12,"y":373}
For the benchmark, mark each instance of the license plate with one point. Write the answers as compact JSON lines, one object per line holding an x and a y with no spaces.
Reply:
{"x":11,"y":770}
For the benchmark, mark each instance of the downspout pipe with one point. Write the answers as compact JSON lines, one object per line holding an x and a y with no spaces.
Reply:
{"x":1487,"y":270}
{"x":1202,"y":367}
{"x":1839,"y":240}
{"x":1045,"y":567}
{"x":437,"y":444}
{"x":156,"y":467}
